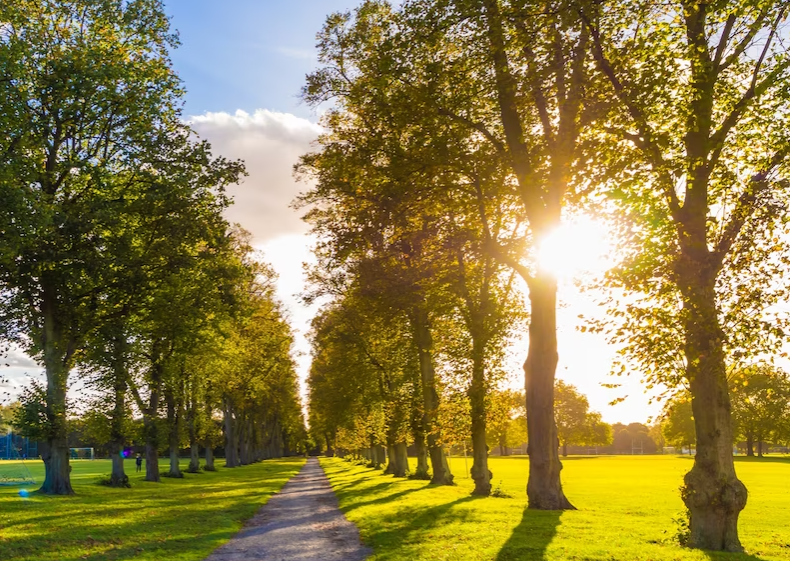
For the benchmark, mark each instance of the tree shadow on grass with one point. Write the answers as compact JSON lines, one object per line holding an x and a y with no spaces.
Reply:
{"x":531,"y":538}
{"x":719,"y":556}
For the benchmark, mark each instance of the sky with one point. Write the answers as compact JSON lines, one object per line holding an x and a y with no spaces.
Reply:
{"x":243,"y":63}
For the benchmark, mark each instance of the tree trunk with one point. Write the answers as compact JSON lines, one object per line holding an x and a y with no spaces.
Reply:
{"x":118,"y":477}
{"x":565,"y":449}
{"x":209,"y":459}
{"x":477,"y":401}
{"x":173,"y":436}
{"x":424,"y":341}
{"x":401,"y":460}
{"x":57,"y":471}
{"x":422,"y":455}
{"x":231,"y":448}
{"x":330,"y":451}
{"x":759,"y":448}
{"x":544,"y":489}
{"x":712,"y":492}
{"x":152,"y":461}
{"x":750,"y":445}
{"x":194,"y":458}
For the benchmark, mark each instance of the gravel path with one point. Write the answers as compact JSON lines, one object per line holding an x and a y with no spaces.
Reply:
{"x":302,"y":522}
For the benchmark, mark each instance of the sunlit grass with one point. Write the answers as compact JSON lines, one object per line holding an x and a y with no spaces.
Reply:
{"x":176,"y":520}
{"x":626,"y":510}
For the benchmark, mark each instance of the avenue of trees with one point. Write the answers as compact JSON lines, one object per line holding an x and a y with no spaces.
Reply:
{"x":459,"y":134}
{"x":118,"y":271}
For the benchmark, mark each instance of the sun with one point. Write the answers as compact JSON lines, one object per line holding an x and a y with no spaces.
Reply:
{"x":581,"y":246}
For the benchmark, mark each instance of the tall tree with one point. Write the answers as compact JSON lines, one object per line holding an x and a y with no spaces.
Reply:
{"x":695,"y":143}
{"x":93,"y":128}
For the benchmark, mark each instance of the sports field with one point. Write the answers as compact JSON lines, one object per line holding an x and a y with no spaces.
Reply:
{"x":626,"y":509}
{"x":175,"y":520}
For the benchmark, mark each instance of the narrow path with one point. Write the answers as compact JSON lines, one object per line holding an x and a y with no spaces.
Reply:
{"x":300,"y":523}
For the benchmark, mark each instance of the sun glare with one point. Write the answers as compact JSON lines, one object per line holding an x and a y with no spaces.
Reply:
{"x":580,"y":246}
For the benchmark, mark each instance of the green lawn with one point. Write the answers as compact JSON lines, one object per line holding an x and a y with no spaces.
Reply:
{"x":626,"y":506}
{"x":176,"y":520}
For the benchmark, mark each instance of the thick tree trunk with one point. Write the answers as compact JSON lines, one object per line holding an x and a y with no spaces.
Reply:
{"x":422,"y":456}
{"x":57,"y":471}
{"x":759,"y":448}
{"x":401,"y":460}
{"x":173,"y":435}
{"x":544,"y":489}
{"x":175,"y":467}
{"x":231,"y":447}
{"x":712,"y":492}
{"x":152,"y":461}
{"x":749,"y":445}
{"x":424,"y":343}
{"x":565,"y":449}
{"x":118,"y":477}
{"x":194,"y":458}
{"x":477,"y":401}
{"x":209,"y":459}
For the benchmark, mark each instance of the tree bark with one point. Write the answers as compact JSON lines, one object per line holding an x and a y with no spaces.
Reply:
{"x":759,"y":448}
{"x":422,"y":455}
{"x":424,"y":343}
{"x":209,"y":459}
{"x":544,"y":488}
{"x":194,"y":458}
{"x":712,"y":492}
{"x":477,"y":398}
{"x":57,"y":471}
{"x":173,"y":422}
{"x":749,"y":445}
{"x":565,"y":449}
{"x":231,"y":446}
{"x":118,"y":477}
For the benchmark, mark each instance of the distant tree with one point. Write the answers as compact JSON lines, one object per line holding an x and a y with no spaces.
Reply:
{"x":570,"y":410}
{"x":760,"y":404}
{"x":678,"y":422}
{"x":503,"y":407}
{"x":7,"y":414}
{"x":596,"y":431}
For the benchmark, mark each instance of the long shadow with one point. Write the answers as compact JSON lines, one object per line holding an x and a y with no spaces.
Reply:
{"x":718,"y":556}
{"x":531,"y":538}
{"x":381,"y":500}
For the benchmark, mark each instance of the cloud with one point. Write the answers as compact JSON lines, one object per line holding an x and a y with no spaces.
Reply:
{"x":270,"y":143}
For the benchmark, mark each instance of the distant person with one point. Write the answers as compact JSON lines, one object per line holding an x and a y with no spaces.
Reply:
{"x":139,"y":461}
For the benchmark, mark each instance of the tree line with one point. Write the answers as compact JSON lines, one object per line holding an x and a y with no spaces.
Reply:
{"x":459,"y":134}
{"x":117,"y":267}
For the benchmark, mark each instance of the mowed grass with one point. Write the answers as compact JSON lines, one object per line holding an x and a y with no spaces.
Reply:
{"x":175,"y":520}
{"x":626,"y":509}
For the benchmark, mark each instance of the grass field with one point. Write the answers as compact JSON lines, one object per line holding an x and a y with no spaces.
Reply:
{"x":626,"y":509}
{"x":176,"y":520}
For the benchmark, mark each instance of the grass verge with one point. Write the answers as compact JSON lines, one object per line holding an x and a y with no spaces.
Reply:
{"x":626,"y":509}
{"x":175,"y":520}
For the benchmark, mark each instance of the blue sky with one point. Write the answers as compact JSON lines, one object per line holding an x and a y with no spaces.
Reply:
{"x":247,"y":54}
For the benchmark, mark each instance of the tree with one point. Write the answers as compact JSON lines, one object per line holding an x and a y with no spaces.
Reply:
{"x":696,"y":137}
{"x":7,"y":413}
{"x":571,"y":411}
{"x":678,"y":422}
{"x":760,"y":404}
{"x":93,"y":142}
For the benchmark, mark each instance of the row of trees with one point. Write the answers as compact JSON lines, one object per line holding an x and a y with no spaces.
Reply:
{"x":760,"y":409}
{"x":462,"y":131}
{"x":115,"y":260}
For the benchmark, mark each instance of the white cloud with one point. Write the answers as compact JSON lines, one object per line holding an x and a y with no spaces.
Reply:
{"x":270,"y":143}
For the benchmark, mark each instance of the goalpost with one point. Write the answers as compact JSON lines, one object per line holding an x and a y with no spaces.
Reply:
{"x":81,"y":454}
{"x":13,"y":470}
